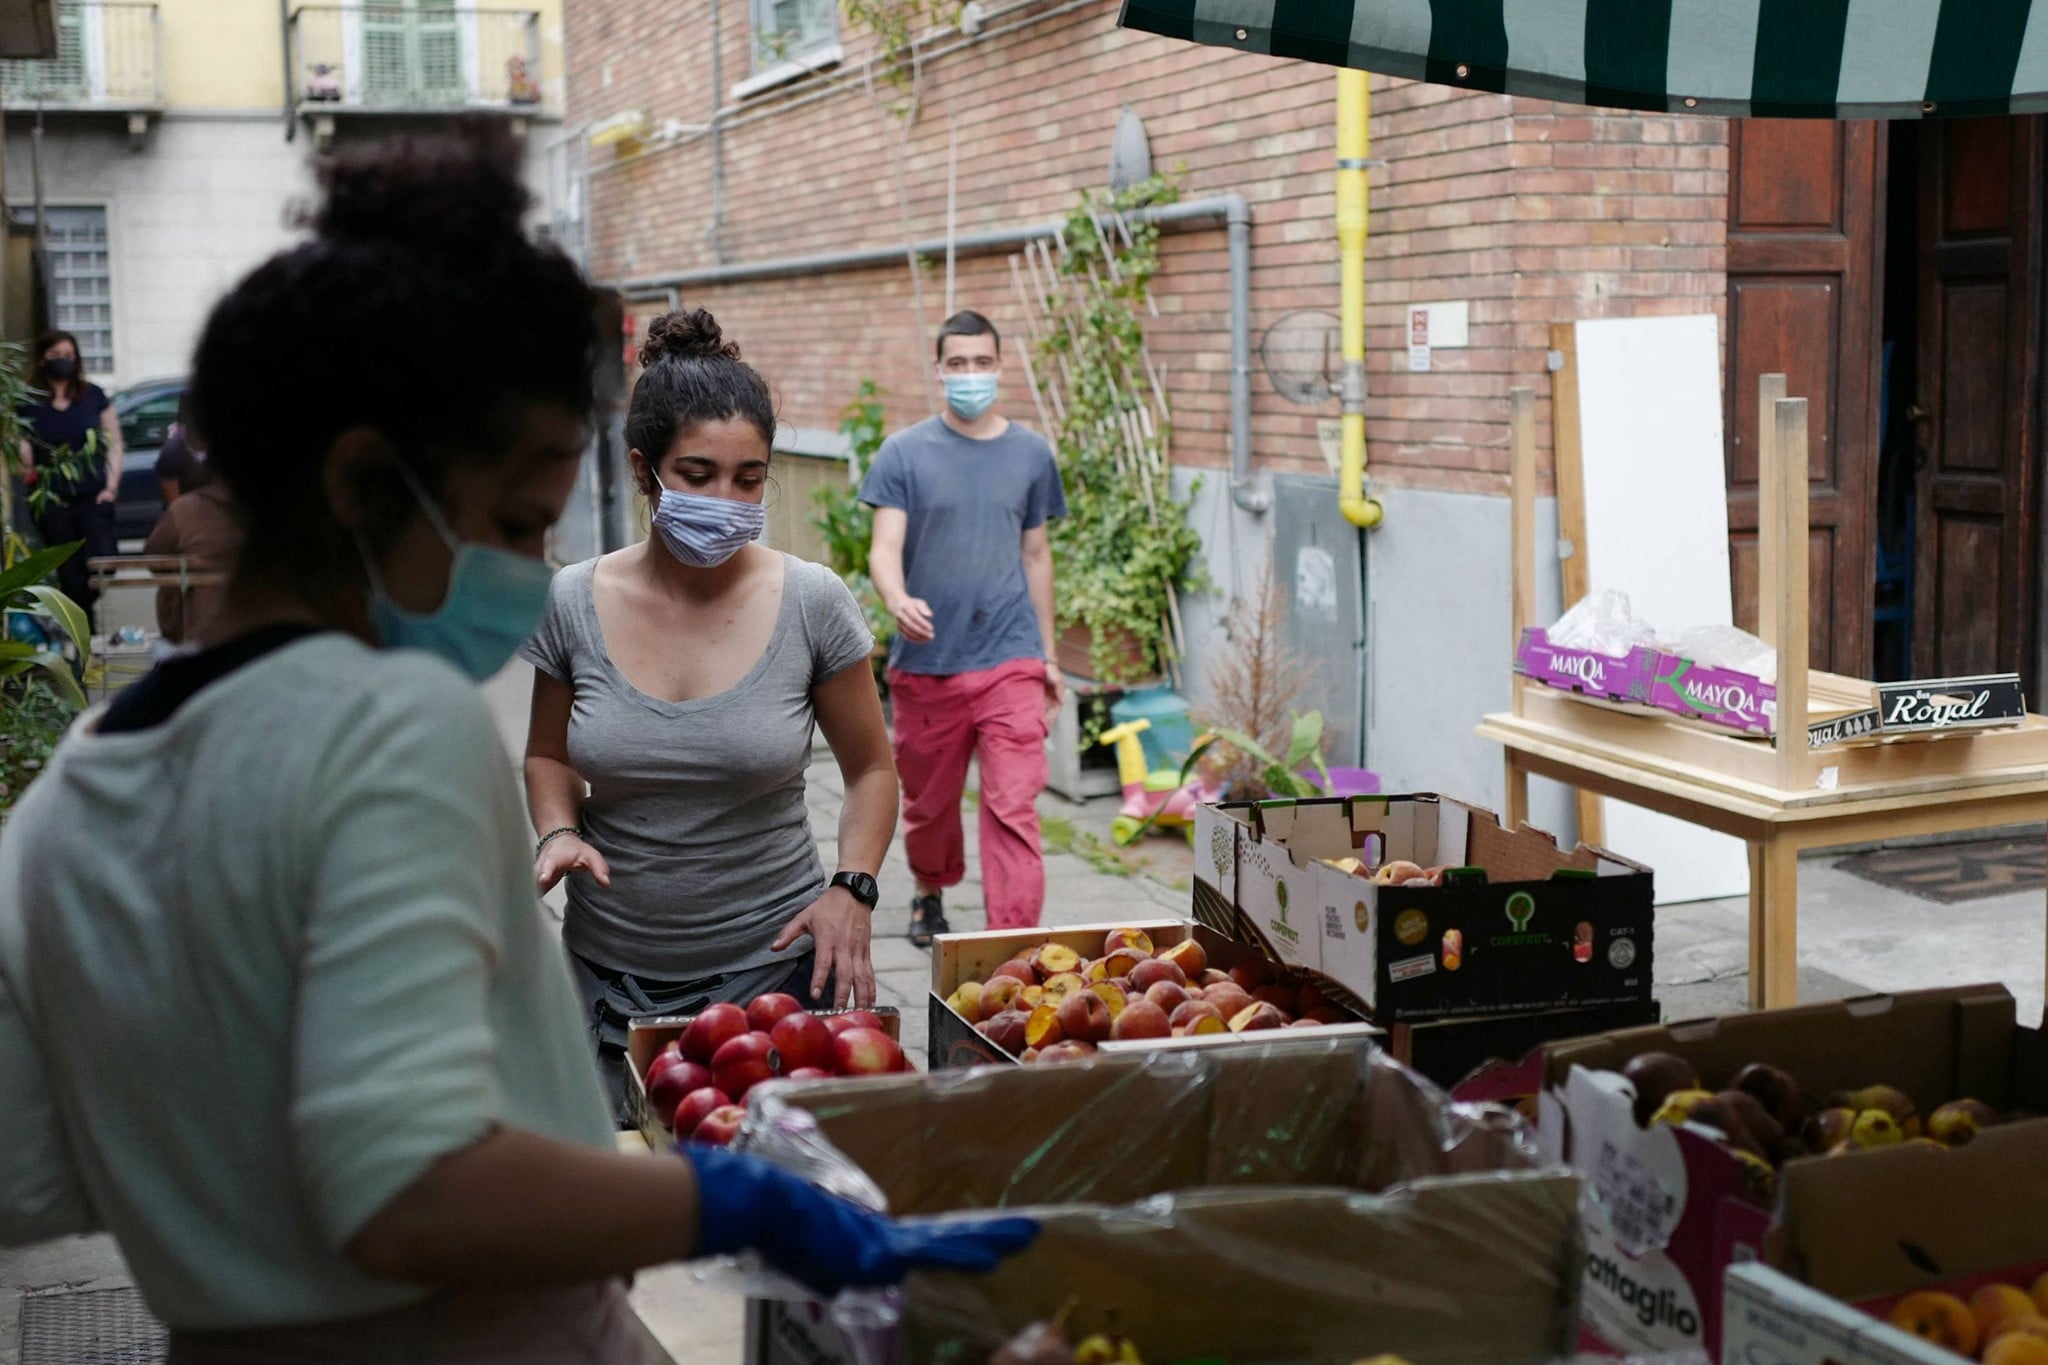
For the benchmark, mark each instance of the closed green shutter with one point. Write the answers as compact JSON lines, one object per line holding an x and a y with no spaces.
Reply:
{"x":412,"y":54}
{"x":59,"y":79}
{"x":440,"y":53}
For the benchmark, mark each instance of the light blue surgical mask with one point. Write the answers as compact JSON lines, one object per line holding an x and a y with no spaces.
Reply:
{"x":495,"y":601}
{"x":706,"y":531}
{"x":970,"y":395}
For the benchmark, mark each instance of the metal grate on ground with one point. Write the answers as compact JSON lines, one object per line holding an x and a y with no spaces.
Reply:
{"x":1950,"y":873}
{"x":90,"y":1327}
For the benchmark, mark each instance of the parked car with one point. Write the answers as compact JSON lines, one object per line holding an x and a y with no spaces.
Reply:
{"x":147,"y":411}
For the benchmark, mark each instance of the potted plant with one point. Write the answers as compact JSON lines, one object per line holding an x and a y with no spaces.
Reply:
{"x":1124,"y":551}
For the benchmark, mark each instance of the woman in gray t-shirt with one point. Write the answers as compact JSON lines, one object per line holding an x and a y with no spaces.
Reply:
{"x":678,"y":683}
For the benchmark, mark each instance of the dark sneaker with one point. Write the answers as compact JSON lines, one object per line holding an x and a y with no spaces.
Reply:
{"x":927,"y":917}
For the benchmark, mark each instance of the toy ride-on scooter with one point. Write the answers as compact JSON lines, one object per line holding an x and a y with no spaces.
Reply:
{"x":1159,"y":796}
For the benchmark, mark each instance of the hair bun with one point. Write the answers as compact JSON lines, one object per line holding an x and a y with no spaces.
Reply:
{"x":694,"y":335}
{"x":457,"y":193}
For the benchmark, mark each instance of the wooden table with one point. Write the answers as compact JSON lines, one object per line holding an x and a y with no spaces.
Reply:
{"x":1594,"y":752}
{"x":1779,"y":796}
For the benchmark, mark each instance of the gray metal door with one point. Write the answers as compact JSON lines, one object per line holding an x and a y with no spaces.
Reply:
{"x":1316,"y":558}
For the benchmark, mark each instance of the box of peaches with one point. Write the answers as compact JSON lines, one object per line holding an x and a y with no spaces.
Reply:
{"x":1997,"y":1319}
{"x":1051,"y":995}
{"x":691,"y":1075}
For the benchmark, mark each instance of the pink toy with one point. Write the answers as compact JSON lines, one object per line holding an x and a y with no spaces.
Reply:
{"x":1160,"y":797}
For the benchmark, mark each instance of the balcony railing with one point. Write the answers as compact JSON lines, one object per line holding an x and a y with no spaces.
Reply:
{"x":424,"y":57}
{"x":109,"y":56}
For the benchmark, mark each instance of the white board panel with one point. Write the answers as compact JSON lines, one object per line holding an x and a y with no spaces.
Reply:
{"x":1657,"y":529}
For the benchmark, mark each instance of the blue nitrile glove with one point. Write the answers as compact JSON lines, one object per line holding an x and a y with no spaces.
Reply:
{"x":823,"y":1241}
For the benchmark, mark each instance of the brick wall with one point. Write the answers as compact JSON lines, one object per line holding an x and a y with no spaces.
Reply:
{"x":1531,"y":212}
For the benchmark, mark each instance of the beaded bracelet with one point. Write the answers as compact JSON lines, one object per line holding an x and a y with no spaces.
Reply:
{"x":553,"y":835}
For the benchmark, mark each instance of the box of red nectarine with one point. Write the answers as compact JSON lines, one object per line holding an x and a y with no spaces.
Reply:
{"x":1006,"y":996}
{"x":1422,"y":907}
{"x":691,"y":1049}
{"x":1813,"y":1138}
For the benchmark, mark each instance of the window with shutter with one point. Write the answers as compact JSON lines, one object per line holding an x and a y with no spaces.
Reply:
{"x":412,"y":53}
{"x":440,"y":52}
{"x":59,"y":79}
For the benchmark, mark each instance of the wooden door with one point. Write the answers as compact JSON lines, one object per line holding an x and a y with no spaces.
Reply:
{"x":1973,"y":577}
{"x":1805,"y":234}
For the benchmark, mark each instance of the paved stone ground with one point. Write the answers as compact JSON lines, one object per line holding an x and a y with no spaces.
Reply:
{"x":1855,"y":937}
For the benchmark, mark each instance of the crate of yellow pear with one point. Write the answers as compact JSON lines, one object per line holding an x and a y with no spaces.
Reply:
{"x":1856,"y":1148}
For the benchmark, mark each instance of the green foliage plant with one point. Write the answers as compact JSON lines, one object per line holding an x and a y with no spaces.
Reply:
{"x":1125,"y":549}
{"x":847,"y":524}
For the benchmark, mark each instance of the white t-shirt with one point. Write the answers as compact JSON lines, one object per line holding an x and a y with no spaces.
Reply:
{"x":261,"y":965}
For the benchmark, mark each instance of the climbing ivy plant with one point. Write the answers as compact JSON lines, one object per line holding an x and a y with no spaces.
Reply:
{"x":895,"y":25}
{"x":1125,"y":549}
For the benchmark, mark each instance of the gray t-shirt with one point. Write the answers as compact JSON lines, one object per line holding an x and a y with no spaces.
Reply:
{"x":969,"y":504}
{"x":698,"y":806}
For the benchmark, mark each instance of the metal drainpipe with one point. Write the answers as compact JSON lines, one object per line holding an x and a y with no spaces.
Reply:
{"x":714,"y":236}
{"x":284,"y":29}
{"x":1232,"y":210}
{"x":1244,"y":489}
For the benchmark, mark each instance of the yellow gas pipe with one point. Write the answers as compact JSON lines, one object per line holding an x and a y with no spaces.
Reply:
{"x":1354,"y":142}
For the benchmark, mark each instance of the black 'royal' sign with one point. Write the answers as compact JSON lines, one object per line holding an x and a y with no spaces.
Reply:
{"x":1951,"y":703}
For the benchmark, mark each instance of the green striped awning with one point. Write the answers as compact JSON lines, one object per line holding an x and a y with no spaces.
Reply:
{"x":1775,"y":58}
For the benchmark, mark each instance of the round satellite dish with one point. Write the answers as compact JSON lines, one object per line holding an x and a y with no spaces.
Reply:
{"x":1302,"y":354}
{"x":1130,"y":152}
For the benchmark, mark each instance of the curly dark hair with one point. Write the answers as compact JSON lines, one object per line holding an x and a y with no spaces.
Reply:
{"x":692,"y":374}
{"x":419,"y":310}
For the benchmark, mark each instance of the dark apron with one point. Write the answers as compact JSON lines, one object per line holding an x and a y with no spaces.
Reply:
{"x":588,"y":1325}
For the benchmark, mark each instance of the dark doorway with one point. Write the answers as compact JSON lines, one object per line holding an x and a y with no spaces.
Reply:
{"x":1957,"y":471}
{"x":1898,"y":402}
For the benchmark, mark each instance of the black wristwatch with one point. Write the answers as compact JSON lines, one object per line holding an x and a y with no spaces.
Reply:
{"x":861,"y":885}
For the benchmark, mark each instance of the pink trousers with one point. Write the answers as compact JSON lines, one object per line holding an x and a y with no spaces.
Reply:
{"x":997,"y":714}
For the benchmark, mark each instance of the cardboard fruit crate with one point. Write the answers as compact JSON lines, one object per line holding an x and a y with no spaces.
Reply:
{"x":1299,"y":1198}
{"x":958,"y":958}
{"x":645,"y":1038}
{"x":1767,"y":1314}
{"x":1670,"y":1208}
{"x":1459,"y":1053}
{"x":1517,"y":926}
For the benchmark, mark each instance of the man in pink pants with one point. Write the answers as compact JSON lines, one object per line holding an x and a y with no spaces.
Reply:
{"x":962,"y":559}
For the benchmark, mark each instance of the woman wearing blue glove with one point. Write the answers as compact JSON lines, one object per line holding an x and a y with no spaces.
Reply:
{"x":277,"y":1006}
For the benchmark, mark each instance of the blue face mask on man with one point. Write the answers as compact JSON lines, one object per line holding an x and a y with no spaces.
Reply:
{"x":970,"y":395}
{"x":494,"y":603}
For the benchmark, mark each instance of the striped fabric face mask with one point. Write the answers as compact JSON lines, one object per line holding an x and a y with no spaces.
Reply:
{"x":706,"y":532}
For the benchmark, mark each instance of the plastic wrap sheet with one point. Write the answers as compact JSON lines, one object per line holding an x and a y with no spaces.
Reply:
{"x":1112,"y":1130}
{"x":1730,"y":647}
{"x":1605,"y":623}
{"x":1307,"y":1197}
{"x":1460,"y":1270}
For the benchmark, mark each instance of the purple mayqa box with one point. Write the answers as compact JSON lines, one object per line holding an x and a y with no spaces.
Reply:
{"x":1720,"y":696}
{"x":1617,"y":677}
{"x":1723,"y":697}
